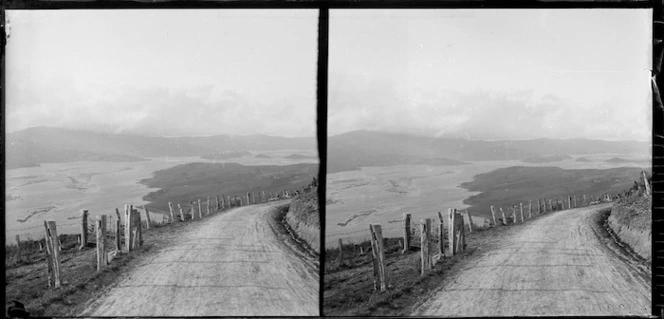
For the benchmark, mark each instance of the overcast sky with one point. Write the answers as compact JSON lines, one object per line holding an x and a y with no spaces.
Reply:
{"x":492,"y":74}
{"x":164,"y":72}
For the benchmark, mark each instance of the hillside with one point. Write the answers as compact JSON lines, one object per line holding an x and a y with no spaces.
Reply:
{"x":186,"y":182}
{"x":508,"y":186}
{"x":583,"y":159}
{"x":303,"y":216}
{"x":546,"y":159}
{"x":36,"y":145}
{"x":351,"y":150}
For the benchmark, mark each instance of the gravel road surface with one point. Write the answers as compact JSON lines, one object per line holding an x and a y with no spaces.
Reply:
{"x":232,"y":264}
{"x":559,"y":264}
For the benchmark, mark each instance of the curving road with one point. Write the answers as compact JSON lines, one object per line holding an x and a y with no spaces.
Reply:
{"x":555,"y":265}
{"x":232,"y":264}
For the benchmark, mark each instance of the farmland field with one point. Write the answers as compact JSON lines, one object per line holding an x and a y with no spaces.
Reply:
{"x":59,"y":191}
{"x":382,"y":194}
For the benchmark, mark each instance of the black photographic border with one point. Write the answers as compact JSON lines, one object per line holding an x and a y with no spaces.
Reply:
{"x":324,"y":6}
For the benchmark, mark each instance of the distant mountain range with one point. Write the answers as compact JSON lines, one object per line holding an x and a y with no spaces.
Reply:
{"x":352,"y":150}
{"x":33,"y":146}
{"x":546,"y":159}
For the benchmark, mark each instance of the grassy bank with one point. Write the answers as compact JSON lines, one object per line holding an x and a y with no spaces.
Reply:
{"x":348,"y":286}
{"x":631,"y":220}
{"x":26,"y":279}
{"x":508,"y":186}
{"x":186,"y":182}
{"x":304,"y":218}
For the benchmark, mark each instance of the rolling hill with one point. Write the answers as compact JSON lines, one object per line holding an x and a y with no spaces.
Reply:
{"x":36,"y":145}
{"x":187,"y":182}
{"x":351,"y":150}
{"x":508,"y":186}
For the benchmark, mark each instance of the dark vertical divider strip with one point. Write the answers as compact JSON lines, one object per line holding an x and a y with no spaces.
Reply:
{"x":323,"y":33}
{"x":657,"y":164}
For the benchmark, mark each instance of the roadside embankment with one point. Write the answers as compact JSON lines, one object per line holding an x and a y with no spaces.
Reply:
{"x":303,"y":217}
{"x":631,"y":221}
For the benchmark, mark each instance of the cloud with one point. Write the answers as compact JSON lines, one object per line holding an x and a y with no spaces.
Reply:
{"x":377,"y":104}
{"x":205,"y":110}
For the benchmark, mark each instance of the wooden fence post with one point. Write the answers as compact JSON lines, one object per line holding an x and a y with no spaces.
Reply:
{"x":128,"y":229}
{"x":425,"y":234}
{"x":192,"y":210}
{"x":200,"y":209}
{"x":530,"y":209}
{"x":147,"y":217}
{"x":521,"y":210}
{"x":493,"y":216}
{"x":441,"y":235}
{"x":84,"y":229}
{"x":451,"y":230}
{"x":181,"y":212}
{"x":378,"y":252}
{"x":504,"y":217}
{"x":470,"y":221}
{"x":406,"y":233}
{"x":208,"y":206}
{"x":645,"y":182}
{"x":513,"y":214}
{"x":100,"y":227}
{"x":53,"y":249}
{"x":140,"y":230}
{"x":374,"y":258}
{"x":170,"y":209}
{"x":550,"y":206}
{"x":118,"y":244}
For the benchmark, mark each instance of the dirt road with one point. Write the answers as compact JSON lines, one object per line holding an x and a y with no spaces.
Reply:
{"x":232,"y":264}
{"x":555,"y":265}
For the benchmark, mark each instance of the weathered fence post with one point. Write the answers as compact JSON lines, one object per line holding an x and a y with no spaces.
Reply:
{"x":118,"y":243}
{"x":456,"y":226}
{"x":425,"y":255}
{"x":378,"y":254}
{"x":493,"y":216}
{"x":521,"y":209}
{"x":406,"y":233}
{"x":53,"y":250}
{"x":470,"y":221}
{"x":569,"y":202}
{"x":170,"y":209}
{"x":200,"y":209}
{"x":441,"y":235}
{"x":208,"y":206}
{"x":645,"y":182}
{"x":530,"y":209}
{"x":504,"y":217}
{"x":100,"y":228}
{"x":550,"y":206}
{"x":192,"y":210}
{"x":129,"y":238}
{"x":584,"y":202}
{"x":148,"y":221}
{"x":84,"y":228}
{"x":181,"y":212}
{"x":462,"y":230}
{"x":513,"y":214}
{"x":218,"y":203}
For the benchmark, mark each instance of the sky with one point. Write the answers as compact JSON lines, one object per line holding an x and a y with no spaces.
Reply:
{"x":492,"y":74}
{"x":163,"y":72}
